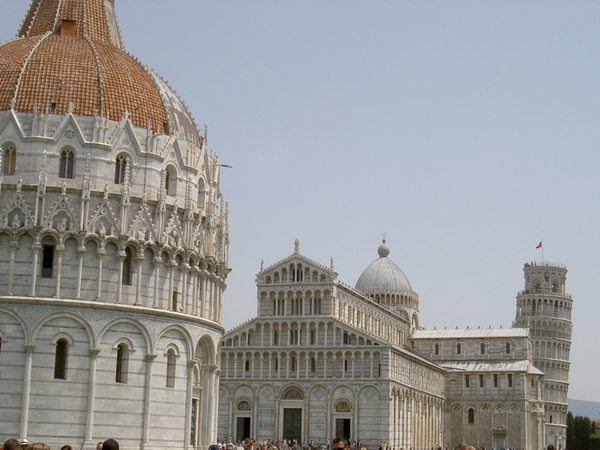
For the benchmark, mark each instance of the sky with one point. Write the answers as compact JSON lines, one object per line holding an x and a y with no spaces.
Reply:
{"x":466,"y":132}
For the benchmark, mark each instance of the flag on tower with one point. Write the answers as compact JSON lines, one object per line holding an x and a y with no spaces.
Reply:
{"x":540,"y":244}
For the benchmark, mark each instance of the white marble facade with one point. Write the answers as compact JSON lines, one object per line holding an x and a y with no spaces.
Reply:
{"x":115,"y":242}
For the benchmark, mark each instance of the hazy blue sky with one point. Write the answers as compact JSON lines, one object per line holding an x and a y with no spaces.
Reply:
{"x":467,"y":131}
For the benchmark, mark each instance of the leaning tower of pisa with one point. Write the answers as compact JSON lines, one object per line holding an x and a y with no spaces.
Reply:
{"x":545,"y":307}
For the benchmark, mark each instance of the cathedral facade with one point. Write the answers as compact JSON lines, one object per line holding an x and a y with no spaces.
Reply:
{"x":323,"y":359}
{"x":114,"y":233}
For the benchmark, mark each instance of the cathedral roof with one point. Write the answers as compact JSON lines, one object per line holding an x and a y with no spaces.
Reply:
{"x":497,"y":366}
{"x":383,"y":276}
{"x":69,"y":56}
{"x":466,"y":333}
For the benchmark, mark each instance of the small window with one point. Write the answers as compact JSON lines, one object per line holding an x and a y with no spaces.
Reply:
{"x":127,"y":264}
{"x":122,"y":364}
{"x":10,"y":160}
{"x":293,"y":364}
{"x":47,"y":261}
{"x":467,"y":378}
{"x":121,"y":168}
{"x":171,"y":359}
{"x":174,"y":304}
{"x":346,"y":338}
{"x":60,"y":360}
{"x":313,"y":364}
{"x":436,"y":349}
{"x":495,"y":380}
{"x":458,"y":349}
{"x":67,"y":164}
{"x":313,"y":337}
{"x":275,"y":337}
{"x":481,"y":381}
{"x":508,"y":348}
{"x":471,"y":415}
{"x":294,"y":337}
{"x":276,"y":365}
{"x":247,"y":365}
{"x":510,"y":380}
{"x":171,"y":181}
{"x":482,"y":348}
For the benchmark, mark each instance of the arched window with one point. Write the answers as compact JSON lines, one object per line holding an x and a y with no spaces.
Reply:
{"x":10,"y":159}
{"x":174,"y":304}
{"x":60,"y":360}
{"x":127,"y":264}
{"x":471,"y":414}
{"x":171,"y":357}
{"x":47,"y":258}
{"x":122,"y":363}
{"x":67,"y":164}
{"x":120,"y":168}
{"x":171,"y":181}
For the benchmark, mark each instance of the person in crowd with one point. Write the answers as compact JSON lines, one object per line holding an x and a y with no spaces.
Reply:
{"x":11,"y":444}
{"x":340,"y":443}
{"x":38,"y":446}
{"x":66,"y":447}
{"x":110,"y":444}
{"x":99,"y":445}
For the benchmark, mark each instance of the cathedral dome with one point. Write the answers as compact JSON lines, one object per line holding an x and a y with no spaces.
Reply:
{"x":383,"y":276}
{"x":68,"y":57}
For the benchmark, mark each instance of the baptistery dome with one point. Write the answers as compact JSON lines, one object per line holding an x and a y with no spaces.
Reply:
{"x":69,"y":57}
{"x":384,"y":282}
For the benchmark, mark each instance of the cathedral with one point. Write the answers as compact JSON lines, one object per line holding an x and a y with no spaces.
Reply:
{"x":115,"y":239}
{"x":324,"y":359}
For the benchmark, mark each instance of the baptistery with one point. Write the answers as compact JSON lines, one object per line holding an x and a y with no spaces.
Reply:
{"x":114,"y":242}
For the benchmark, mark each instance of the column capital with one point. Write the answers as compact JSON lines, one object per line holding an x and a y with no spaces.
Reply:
{"x":94,"y":352}
{"x":150,"y":357}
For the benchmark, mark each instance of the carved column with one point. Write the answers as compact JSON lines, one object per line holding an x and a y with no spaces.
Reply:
{"x":60,"y":250}
{"x":100,"y":253}
{"x":138,"y":286}
{"x":157,"y":263}
{"x":36,"y":253}
{"x":11,"y":268}
{"x":188,"y":403}
{"x":80,"y":254}
{"x":121,"y":256}
{"x":29,"y":350}
{"x":89,"y":423}
{"x":148,"y":401}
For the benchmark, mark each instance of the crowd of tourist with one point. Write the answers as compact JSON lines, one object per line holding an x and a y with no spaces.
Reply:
{"x":24,"y":444}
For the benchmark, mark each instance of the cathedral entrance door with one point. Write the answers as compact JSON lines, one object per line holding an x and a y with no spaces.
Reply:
{"x":342,"y":428}
{"x":292,"y":424}
{"x":243,"y":429}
